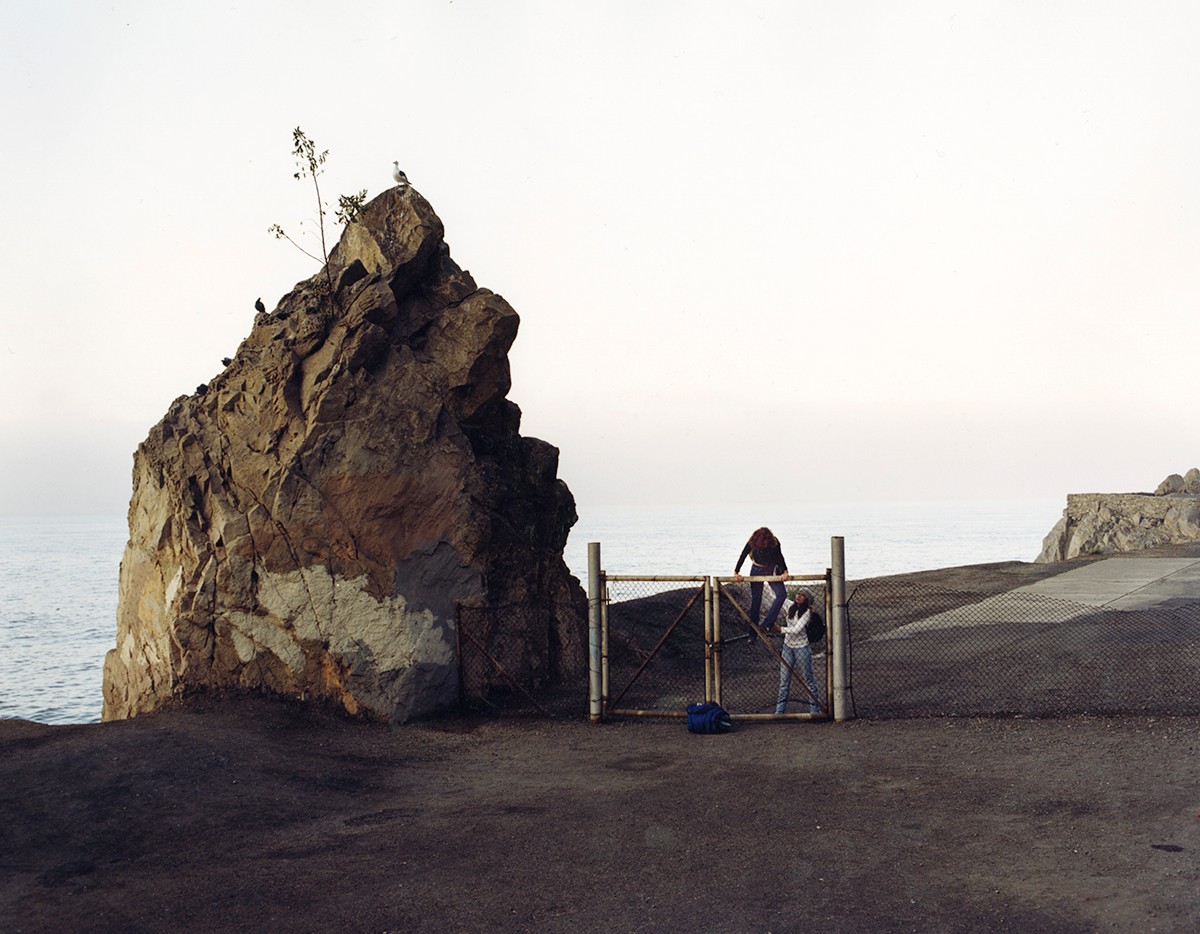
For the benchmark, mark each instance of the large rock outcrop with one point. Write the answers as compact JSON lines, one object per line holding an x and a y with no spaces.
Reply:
{"x":313,"y":521}
{"x":1107,"y":523}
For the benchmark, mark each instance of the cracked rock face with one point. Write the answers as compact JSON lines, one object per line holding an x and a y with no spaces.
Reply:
{"x":316,"y":518}
{"x":1111,"y":523}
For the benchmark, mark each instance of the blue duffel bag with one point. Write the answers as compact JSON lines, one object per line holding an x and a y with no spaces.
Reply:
{"x":708,"y":717}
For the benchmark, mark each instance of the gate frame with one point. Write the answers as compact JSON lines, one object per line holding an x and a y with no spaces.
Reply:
{"x":710,"y":587}
{"x":705,"y":587}
{"x":837,"y":637}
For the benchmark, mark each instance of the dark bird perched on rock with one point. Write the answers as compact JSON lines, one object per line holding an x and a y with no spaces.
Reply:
{"x":225,"y":361}
{"x":259,"y":306}
{"x":202,"y":389}
{"x":399,"y":176}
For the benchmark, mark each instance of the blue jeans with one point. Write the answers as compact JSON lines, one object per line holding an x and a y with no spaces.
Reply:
{"x":756,"y":592}
{"x":801,"y":661}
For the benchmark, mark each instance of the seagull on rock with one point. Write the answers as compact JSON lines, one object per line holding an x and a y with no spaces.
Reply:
{"x":259,"y":306}
{"x":399,"y":176}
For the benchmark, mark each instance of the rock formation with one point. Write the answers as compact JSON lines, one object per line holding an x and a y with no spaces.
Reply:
{"x":313,"y":522}
{"x":1188,"y":484}
{"x":1106,"y":523}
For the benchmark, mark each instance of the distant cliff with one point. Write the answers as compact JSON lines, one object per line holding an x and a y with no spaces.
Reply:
{"x":1106,"y":523}
{"x":309,"y":522}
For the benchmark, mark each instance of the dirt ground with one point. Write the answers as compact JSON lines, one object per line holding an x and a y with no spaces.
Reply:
{"x":246,"y":813}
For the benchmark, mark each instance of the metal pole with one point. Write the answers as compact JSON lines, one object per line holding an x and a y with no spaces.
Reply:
{"x":716,"y":631}
{"x":708,"y":638}
{"x":595,"y":706}
{"x":837,"y":627}
{"x":604,"y":711}
{"x":828,"y":644}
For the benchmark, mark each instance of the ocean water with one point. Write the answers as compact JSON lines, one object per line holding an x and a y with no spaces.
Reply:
{"x":880,"y":538}
{"x":58,"y":577}
{"x":58,"y":615}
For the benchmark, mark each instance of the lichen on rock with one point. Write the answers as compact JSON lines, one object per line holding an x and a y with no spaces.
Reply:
{"x":313,"y":523}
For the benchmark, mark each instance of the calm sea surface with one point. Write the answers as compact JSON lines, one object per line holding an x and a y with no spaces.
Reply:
{"x":58,"y":615}
{"x":58,"y":577}
{"x":881,"y":538}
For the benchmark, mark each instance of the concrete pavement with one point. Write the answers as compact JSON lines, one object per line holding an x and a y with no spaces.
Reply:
{"x":1124,"y":583}
{"x":1113,"y":584}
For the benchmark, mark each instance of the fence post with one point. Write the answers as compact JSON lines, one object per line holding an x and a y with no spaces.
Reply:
{"x":837,"y":628}
{"x":716,"y":644}
{"x":708,"y":638}
{"x":596,"y":708}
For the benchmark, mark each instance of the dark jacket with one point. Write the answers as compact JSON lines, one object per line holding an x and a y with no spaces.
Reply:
{"x":770,"y":558}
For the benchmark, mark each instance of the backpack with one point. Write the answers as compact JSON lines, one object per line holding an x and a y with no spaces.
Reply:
{"x":709,"y":717}
{"x":815,"y":627}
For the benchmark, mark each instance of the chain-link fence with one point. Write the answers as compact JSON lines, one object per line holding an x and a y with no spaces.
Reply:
{"x":922,"y":651}
{"x":500,"y":672}
{"x":654,"y":648}
{"x":661,"y":654}
{"x":914,"y":651}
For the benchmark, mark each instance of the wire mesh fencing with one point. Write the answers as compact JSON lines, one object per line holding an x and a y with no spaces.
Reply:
{"x":662,"y":653}
{"x":913,"y":651}
{"x":922,"y":651}
{"x":654,"y":652}
{"x":500,"y":668}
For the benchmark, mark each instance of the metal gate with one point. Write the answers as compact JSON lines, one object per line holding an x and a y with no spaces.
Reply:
{"x":654,"y":644}
{"x":662,"y":647}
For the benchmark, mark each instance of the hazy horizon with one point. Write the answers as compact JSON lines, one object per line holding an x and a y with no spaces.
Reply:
{"x":770,"y":253}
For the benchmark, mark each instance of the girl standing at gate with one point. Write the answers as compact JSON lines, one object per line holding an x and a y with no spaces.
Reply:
{"x":766,"y":560}
{"x":797,"y":653}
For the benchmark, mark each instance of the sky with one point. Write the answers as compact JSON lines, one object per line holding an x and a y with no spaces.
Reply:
{"x":762,"y":252}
